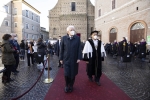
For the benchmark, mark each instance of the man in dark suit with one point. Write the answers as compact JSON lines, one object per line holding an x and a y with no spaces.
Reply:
{"x":70,"y":55}
{"x":57,"y":50}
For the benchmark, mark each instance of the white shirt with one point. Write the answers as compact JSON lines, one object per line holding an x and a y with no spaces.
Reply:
{"x":95,"y":43}
{"x":59,"y":42}
{"x":88,"y":48}
{"x":35,"y":48}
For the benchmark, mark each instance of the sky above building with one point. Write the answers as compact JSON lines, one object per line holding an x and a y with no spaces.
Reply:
{"x":44,"y":6}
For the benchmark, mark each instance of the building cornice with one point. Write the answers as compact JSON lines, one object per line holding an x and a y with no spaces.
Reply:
{"x":27,"y":4}
{"x":126,"y":16}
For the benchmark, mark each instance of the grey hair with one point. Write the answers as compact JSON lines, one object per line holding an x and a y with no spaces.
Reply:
{"x":70,"y":27}
{"x":13,"y":34}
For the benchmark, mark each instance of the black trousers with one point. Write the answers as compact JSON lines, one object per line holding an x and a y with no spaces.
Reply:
{"x":60,"y":65}
{"x":90,"y":74}
{"x":17,"y":63}
{"x":7,"y":72}
{"x":69,"y":81}
{"x":28,"y":57}
{"x":35,"y":57}
{"x":96,"y":78}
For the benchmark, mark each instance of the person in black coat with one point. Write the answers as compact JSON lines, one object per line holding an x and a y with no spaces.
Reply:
{"x":115,"y":48}
{"x":41,"y":51}
{"x":123,"y":48}
{"x":22,"y":50}
{"x":15,"y":44}
{"x":50,"y":48}
{"x":30,"y":52}
{"x":108,"y":48}
{"x":57,"y":49}
{"x":130,"y":48}
{"x":142,"y":49}
{"x":70,"y":56}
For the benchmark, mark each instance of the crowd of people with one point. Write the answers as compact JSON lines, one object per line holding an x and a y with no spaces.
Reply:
{"x":70,"y":50}
{"x":13,"y":53}
{"x":125,"y":49}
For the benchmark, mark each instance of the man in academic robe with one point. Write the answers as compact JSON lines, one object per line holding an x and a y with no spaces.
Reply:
{"x":130,"y":48}
{"x":123,"y":48}
{"x":93,"y":53}
{"x":70,"y":56}
{"x":115,"y":47}
{"x":142,"y":50}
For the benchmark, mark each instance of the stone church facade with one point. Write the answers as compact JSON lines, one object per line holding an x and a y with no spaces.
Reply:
{"x":79,"y":13}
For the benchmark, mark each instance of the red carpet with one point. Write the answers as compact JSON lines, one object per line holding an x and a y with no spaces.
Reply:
{"x":84,"y":89}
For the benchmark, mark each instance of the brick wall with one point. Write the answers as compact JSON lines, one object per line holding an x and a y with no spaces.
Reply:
{"x":123,"y":17}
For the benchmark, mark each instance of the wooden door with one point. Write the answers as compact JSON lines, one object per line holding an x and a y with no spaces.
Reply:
{"x":112,"y":37}
{"x":136,"y":35}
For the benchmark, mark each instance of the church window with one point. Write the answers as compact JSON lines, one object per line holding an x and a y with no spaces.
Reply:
{"x":73,"y":6}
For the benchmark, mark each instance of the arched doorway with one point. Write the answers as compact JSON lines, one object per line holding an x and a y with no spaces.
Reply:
{"x":137,"y":32}
{"x":112,"y":35}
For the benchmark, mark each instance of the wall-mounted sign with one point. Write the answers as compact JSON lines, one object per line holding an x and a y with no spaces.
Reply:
{"x":148,"y":40}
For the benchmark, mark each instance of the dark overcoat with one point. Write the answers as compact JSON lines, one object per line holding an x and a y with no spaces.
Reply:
{"x":70,"y":52}
{"x":142,"y":50}
{"x":41,"y":48}
{"x":57,"y":48}
{"x":123,"y":48}
{"x":7,"y":53}
{"x":115,"y":48}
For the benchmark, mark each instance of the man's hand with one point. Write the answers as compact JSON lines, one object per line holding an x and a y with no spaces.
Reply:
{"x":78,"y":61}
{"x":17,"y":51}
{"x":61,"y":61}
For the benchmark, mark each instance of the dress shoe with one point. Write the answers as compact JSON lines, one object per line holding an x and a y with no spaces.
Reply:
{"x":17,"y":71}
{"x":7,"y":81}
{"x":47,"y":68}
{"x":10,"y":80}
{"x":66,"y":89}
{"x":98,"y":83}
{"x":4,"y":81}
{"x":70,"y":89}
{"x":90,"y":78}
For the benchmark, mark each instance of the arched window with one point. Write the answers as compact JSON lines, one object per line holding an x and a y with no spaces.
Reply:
{"x":113,"y":30}
{"x":137,"y":32}
{"x":137,"y":26}
{"x":112,"y":35}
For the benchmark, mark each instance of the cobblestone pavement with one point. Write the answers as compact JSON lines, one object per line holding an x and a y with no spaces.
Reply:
{"x":25,"y":79}
{"x":133,"y":79}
